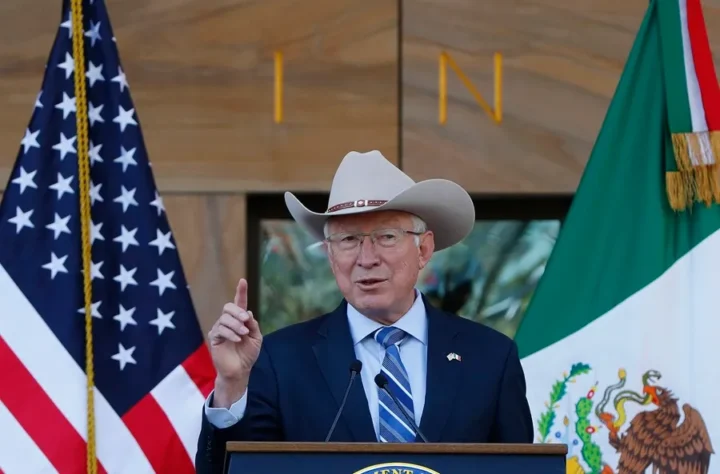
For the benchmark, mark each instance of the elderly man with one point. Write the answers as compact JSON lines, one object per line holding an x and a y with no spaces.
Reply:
{"x":457,"y":380}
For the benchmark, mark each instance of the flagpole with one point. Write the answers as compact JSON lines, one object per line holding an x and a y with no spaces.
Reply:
{"x":85,"y":218}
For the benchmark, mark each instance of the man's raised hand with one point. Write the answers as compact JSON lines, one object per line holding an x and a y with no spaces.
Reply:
{"x":235,"y":342}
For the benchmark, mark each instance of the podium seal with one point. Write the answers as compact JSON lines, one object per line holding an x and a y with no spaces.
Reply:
{"x":396,"y":468}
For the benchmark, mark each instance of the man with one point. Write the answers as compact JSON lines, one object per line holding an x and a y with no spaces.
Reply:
{"x":459,"y":380}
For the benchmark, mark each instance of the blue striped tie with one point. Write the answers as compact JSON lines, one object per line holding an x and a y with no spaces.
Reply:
{"x":394,"y":427}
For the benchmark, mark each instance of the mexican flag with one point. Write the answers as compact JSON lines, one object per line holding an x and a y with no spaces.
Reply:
{"x":621,"y":341}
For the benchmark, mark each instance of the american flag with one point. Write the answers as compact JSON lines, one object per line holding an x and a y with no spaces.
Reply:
{"x":152,"y":367}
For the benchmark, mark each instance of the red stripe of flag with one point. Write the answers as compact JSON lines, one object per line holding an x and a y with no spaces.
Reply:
{"x":157,"y":438}
{"x":39,"y":417}
{"x":704,"y":67}
{"x":200,"y":369}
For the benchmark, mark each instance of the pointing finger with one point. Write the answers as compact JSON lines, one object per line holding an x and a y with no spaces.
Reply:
{"x":241,"y":294}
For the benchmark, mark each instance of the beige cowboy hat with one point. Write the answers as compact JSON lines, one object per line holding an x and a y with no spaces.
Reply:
{"x":368,"y":182}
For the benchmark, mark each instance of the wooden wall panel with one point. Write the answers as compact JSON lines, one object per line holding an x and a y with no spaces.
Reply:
{"x":210,"y":233}
{"x":562,"y":61}
{"x":201,"y":75}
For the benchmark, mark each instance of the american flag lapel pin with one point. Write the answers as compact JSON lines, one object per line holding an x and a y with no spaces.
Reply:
{"x":453,"y":356}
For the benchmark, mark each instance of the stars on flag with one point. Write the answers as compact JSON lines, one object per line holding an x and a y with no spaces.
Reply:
{"x":162,"y":241}
{"x":163,"y":281}
{"x":163,"y":321}
{"x":22,"y":219}
{"x":62,"y":185}
{"x":59,"y":225}
{"x":94,"y":310}
{"x":126,"y":158}
{"x":94,"y":73}
{"x":125,"y":117}
{"x":121,"y":79}
{"x":126,"y":198}
{"x":65,"y":145}
{"x":30,"y":140}
{"x":56,"y":265}
{"x":94,"y":113}
{"x":25,"y":180}
{"x":124,"y":356}
{"x":134,"y":265}
{"x":67,"y":105}
{"x":126,"y":277}
{"x":68,"y":65}
{"x":125,"y":317}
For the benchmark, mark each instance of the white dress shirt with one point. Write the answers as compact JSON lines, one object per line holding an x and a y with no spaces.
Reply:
{"x":413,"y":352}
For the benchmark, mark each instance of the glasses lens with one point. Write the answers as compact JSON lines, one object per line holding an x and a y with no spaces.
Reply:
{"x":387,"y":237}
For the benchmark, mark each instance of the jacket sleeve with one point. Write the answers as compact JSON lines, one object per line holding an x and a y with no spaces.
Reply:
{"x":260,"y":422}
{"x":513,"y":420}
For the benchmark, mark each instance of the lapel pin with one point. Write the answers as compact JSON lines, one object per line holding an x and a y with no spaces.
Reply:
{"x":454,"y":356}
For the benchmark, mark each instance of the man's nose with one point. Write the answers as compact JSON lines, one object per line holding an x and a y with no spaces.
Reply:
{"x":367,"y":256}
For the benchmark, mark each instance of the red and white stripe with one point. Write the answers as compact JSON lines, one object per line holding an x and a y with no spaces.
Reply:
{"x":702,"y":85}
{"x":43,"y":405}
{"x":697,"y":47}
{"x":697,"y":113}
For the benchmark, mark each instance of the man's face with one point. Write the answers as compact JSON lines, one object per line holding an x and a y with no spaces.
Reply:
{"x":378,"y":279}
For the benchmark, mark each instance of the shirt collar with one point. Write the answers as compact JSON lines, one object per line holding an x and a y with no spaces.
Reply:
{"x":414,"y":322}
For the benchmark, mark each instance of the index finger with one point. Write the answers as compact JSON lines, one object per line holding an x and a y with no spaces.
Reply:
{"x":241,"y":294}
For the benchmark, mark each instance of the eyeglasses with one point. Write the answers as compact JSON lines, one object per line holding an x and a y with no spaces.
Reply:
{"x":386,"y":238}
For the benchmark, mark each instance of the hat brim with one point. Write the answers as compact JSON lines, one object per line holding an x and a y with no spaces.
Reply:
{"x":445,"y":207}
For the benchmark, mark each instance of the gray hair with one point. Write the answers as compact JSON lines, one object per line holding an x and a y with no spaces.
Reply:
{"x":418,"y":225}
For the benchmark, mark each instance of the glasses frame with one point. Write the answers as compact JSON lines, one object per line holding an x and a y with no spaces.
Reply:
{"x":330,"y":240}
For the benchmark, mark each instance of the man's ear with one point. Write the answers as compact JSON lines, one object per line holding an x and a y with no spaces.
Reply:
{"x":426,"y":248}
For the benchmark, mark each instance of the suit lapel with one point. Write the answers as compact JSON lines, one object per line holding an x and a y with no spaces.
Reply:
{"x":443,"y":375}
{"x":334,"y":353}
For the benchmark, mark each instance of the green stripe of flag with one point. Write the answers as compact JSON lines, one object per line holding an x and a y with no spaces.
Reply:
{"x":620,"y":233}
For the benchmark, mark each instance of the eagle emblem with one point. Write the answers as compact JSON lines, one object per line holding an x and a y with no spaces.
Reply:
{"x":654,"y":437}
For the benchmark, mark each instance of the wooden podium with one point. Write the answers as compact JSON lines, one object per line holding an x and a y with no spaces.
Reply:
{"x":394,"y":458}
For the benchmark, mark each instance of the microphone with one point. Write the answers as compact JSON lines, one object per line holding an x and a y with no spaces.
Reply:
{"x":355,"y":368}
{"x":382,"y":382}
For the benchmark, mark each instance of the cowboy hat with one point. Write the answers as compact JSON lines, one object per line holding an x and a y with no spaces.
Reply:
{"x":368,"y":182}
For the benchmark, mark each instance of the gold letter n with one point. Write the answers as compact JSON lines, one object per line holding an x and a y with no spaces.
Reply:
{"x":447,"y":60}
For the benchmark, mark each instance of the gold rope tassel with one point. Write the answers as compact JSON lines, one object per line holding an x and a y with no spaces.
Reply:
{"x":682,"y":152}
{"x":706,"y":180}
{"x":700,"y":171}
{"x":715,"y":176}
{"x":84,"y":196}
{"x":680,"y":184}
{"x":679,"y":194}
{"x":694,"y":183}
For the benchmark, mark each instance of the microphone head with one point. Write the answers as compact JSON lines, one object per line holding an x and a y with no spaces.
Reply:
{"x":355,"y":366}
{"x":380,"y":380}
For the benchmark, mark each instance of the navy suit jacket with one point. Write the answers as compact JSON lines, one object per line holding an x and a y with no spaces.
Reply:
{"x":300,"y":377}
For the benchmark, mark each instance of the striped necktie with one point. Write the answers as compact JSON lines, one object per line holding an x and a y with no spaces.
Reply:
{"x":394,"y":427}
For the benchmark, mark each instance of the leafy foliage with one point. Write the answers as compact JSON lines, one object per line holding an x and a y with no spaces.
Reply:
{"x":545,"y":423}
{"x":489,"y":277}
{"x":579,"y":369}
{"x":558,"y":391}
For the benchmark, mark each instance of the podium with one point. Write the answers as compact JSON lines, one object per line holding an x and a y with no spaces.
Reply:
{"x":393,"y":458}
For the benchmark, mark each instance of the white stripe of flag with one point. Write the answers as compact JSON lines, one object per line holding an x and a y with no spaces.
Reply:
{"x":64,"y":381}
